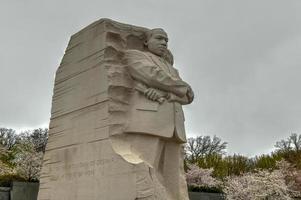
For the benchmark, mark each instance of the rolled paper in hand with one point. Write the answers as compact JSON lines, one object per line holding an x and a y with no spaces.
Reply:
{"x":142,"y":88}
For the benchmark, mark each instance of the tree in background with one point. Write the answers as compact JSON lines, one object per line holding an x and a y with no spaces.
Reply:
{"x":290,"y":149}
{"x":7,"y":137}
{"x":206,"y":153}
{"x":266,"y":161}
{"x":199,"y":179}
{"x":293,"y":142}
{"x":27,"y":160}
{"x":38,"y":137}
{"x":197,"y":148}
{"x":226,"y":165}
{"x":262,"y":184}
{"x":5,"y":168}
{"x":237,"y":164}
{"x":21,"y":154}
{"x":7,"y":141}
{"x":216,"y":162}
{"x":210,"y":153}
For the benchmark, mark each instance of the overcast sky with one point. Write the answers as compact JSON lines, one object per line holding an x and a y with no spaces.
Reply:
{"x":242,"y":58}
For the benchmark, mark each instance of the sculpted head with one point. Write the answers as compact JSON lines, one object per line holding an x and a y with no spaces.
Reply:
{"x":156,"y":41}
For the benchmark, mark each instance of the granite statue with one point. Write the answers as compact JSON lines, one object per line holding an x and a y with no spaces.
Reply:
{"x":117,"y":124}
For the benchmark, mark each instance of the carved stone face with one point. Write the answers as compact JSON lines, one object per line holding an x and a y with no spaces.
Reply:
{"x":157,"y":43}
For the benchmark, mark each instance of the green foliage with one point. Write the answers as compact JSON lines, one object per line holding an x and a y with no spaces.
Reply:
{"x":266,"y":161}
{"x":225,"y":166}
{"x":6,"y":156}
{"x":292,"y":156}
{"x":21,"y":154}
{"x":28,"y":161}
{"x":237,"y":164}
{"x":216,"y":162}
{"x":38,"y":137}
{"x":289,"y":150}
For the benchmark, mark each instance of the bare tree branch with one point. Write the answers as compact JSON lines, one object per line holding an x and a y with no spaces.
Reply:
{"x":201,"y":146}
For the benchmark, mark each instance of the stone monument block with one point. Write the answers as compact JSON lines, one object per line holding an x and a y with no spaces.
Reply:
{"x":91,"y":153}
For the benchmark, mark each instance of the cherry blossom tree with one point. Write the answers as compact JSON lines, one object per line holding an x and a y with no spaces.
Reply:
{"x":28,"y":161}
{"x":5,"y":169}
{"x":261,"y":185}
{"x":196,"y":176}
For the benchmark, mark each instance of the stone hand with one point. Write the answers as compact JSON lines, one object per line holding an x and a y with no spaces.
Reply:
{"x":154,"y":95}
{"x":174,"y":98}
{"x":190,"y":95}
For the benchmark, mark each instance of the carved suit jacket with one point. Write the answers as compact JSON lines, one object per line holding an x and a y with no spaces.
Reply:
{"x":147,"y":116}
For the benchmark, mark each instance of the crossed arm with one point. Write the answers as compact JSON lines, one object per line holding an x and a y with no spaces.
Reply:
{"x":156,"y":83}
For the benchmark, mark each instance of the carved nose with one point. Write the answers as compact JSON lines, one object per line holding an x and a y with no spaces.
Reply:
{"x":164,"y":44}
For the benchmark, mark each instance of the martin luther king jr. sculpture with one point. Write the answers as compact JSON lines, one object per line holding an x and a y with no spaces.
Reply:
{"x":155,"y":129}
{"x":122,"y":137}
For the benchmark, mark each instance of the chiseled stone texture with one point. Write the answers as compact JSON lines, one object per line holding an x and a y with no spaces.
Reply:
{"x":88,"y":155}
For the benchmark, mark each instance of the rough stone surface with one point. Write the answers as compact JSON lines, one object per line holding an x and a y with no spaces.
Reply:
{"x":116,"y":129}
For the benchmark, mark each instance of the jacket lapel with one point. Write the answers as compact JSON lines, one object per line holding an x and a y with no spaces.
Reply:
{"x":159,"y":63}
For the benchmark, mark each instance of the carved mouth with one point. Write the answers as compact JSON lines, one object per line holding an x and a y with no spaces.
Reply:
{"x":162,"y":47}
